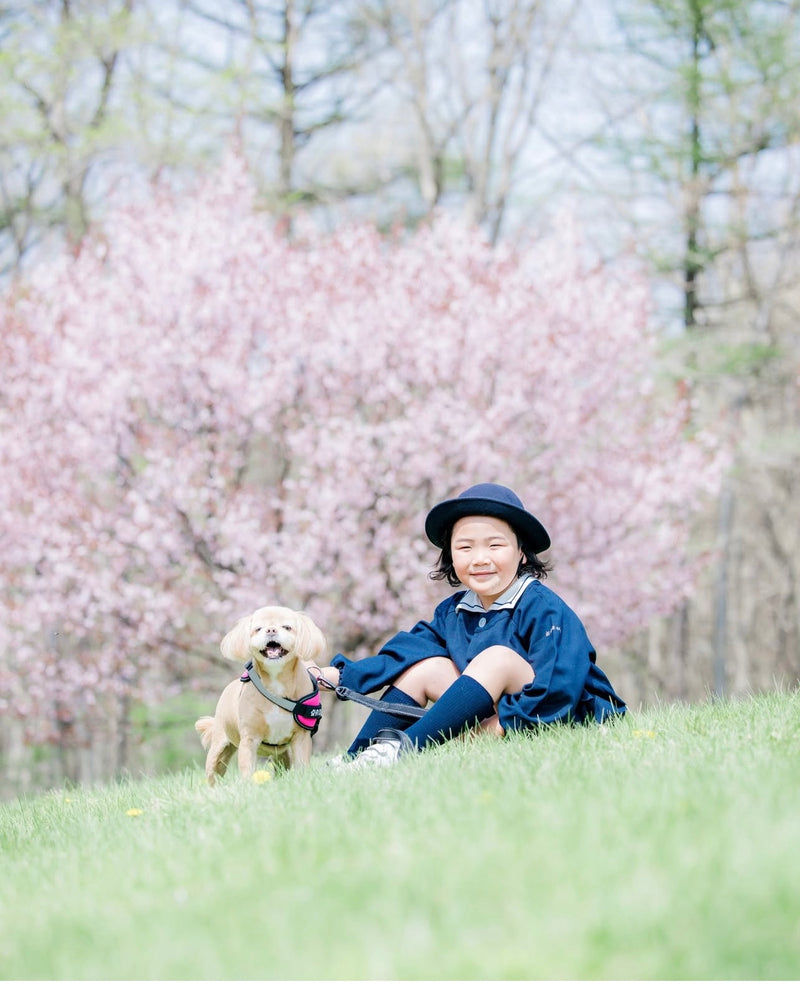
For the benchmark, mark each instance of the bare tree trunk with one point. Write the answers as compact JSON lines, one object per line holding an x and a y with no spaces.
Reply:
{"x":287,"y":110}
{"x":679,"y":650}
{"x":123,"y":733}
{"x":724,"y":533}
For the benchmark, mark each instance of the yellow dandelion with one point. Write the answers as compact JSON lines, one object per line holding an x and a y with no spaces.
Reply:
{"x":262,"y":776}
{"x":134,"y":812}
{"x":638,"y":733}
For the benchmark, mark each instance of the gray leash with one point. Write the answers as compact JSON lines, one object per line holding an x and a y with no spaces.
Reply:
{"x":400,"y":710}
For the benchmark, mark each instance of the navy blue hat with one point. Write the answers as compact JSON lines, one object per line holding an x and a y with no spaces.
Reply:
{"x":487,"y":499}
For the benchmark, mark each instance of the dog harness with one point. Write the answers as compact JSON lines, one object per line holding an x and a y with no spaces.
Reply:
{"x":307,"y":711}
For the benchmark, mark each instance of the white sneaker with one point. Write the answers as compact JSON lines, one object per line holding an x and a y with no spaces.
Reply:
{"x":382,"y":753}
{"x":383,"y":750}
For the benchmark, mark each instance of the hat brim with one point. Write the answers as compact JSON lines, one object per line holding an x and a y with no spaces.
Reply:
{"x":441,"y":517}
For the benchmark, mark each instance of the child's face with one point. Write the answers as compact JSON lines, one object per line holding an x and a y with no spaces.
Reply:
{"x":486,"y":555}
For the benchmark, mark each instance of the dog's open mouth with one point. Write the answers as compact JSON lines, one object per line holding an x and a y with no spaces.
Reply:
{"x":273,"y":650}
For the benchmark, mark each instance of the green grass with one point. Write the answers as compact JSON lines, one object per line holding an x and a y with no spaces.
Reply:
{"x":664,"y":847}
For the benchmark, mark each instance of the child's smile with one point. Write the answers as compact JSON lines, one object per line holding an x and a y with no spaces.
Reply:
{"x":486,"y":556}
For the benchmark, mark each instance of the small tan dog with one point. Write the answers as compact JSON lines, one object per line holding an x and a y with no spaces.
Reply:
{"x":269,"y":710}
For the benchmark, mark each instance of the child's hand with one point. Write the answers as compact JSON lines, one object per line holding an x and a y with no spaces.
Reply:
{"x":329,"y":674}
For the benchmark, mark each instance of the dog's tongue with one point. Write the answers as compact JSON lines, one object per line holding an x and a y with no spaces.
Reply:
{"x":273,"y":651}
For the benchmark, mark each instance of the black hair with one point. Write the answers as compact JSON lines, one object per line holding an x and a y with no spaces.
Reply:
{"x":529,"y":564}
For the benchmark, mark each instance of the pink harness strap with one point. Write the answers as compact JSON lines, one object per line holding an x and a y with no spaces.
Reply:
{"x":307,"y":712}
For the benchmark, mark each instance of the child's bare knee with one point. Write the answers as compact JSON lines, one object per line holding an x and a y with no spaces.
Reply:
{"x":428,"y":679}
{"x":501,"y":670}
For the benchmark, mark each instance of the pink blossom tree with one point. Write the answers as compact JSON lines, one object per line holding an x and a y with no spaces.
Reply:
{"x":199,"y":416}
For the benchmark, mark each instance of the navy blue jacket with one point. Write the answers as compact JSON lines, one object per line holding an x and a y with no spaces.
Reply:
{"x":530,"y":619}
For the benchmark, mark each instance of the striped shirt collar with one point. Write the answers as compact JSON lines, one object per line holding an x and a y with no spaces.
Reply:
{"x":507,"y":600}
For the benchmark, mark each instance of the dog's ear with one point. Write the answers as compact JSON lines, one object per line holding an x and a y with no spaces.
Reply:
{"x":236,"y":644}
{"x":311,"y":644}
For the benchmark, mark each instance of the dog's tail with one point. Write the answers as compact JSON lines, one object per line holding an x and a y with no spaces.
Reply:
{"x":205,"y":726}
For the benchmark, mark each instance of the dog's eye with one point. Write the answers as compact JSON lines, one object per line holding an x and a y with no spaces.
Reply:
{"x":255,"y":630}
{"x":288,"y":628}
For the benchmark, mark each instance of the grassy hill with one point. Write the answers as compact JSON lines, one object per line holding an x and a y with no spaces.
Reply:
{"x":663,"y":847}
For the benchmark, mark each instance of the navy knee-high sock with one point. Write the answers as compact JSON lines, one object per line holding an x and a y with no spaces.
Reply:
{"x":464,"y":704}
{"x":379,"y":719}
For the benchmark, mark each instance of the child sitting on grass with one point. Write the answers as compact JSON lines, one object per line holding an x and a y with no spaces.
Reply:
{"x":506,"y":653}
